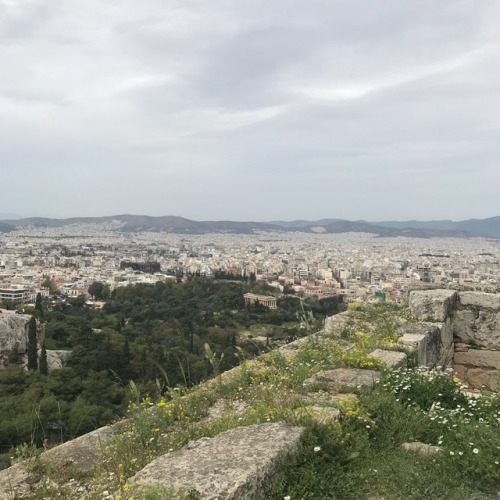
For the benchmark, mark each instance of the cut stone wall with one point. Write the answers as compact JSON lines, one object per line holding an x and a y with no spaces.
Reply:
{"x":470,"y":334}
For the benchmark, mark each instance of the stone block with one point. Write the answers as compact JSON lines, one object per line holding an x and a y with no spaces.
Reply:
{"x":342,"y":379}
{"x":479,"y":358}
{"x":391,"y":359}
{"x":478,"y":328}
{"x":479,"y":378}
{"x":479,"y":300}
{"x":418,"y":342}
{"x":432,"y":305}
{"x":238,"y":464}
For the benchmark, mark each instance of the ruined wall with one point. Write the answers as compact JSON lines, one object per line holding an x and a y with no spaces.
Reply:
{"x":476,"y":329}
{"x":471,"y":339}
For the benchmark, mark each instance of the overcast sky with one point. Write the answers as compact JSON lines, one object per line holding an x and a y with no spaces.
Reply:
{"x":250,"y":109}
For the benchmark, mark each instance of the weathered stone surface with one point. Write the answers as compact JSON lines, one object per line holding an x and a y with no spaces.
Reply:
{"x":432,"y":305}
{"x":432,"y":342}
{"x":479,"y":378}
{"x":235,"y":465}
{"x":478,"y":327}
{"x":79,"y":454}
{"x":421,"y":448}
{"x":13,"y":334}
{"x":479,"y":358}
{"x":480,"y":300}
{"x":461,"y":347}
{"x":391,"y":359}
{"x":417,"y":342}
{"x":15,"y":482}
{"x":57,"y":359}
{"x":342,"y":379}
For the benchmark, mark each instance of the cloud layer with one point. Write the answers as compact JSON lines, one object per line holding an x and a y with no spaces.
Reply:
{"x":250,"y":109}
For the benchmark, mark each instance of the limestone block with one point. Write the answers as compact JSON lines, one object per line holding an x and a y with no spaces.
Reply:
{"x":344,"y":379}
{"x":479,"y":378}
{"x":418,"y":342}
{"x":79,"y":454}
{"x":432,"y":305}
{"x":391,"y":359}
{"x":447,"y":348}
{"x":461,"y":347}
{"x":479,"y":300}
{"x":479,"y":358}
{"x":478,"y":327}
{"x":238,"y":464}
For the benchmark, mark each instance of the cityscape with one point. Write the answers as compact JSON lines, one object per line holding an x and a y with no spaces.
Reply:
{"x":358,"y":266}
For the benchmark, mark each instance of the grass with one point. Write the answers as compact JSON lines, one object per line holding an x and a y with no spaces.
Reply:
{"x":356,"y":458}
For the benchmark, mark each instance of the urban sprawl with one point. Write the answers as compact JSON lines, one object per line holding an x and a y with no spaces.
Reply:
{"x":357,"y":266}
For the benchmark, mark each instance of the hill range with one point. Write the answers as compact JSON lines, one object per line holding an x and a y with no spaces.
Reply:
{"x":488,"y":228}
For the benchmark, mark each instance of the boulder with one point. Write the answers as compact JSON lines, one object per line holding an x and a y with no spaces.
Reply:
{"x":238,"y":464}
{"x":432,"y":305}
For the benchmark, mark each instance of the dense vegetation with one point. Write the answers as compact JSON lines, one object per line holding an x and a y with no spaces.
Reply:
{"x":154,"y":335}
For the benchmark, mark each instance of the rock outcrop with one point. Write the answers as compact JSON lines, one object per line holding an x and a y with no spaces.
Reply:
{"x":13,"y":335}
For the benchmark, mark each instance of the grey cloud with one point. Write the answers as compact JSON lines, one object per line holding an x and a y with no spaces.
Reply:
{"x":323,"y":108}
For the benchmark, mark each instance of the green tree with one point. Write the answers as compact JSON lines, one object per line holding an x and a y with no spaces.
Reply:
{"x":38,"y":305}
{"x":49,"y":283}
{"x":99,"y":290}
{"x":32,"y":345}
{"x":43,"y":366}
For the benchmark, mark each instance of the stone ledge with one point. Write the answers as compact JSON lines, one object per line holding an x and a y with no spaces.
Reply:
{"x":238,"y":464}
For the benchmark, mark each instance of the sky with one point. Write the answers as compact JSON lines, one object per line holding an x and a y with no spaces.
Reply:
{"x":250,"y":109}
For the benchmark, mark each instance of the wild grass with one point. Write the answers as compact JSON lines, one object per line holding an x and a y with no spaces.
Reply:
{"x":358,"y":457}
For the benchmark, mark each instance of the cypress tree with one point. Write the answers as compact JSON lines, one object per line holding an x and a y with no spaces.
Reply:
{"x":43,"y":366}
{"x":32,"y":345}
{"x":38,"y":304}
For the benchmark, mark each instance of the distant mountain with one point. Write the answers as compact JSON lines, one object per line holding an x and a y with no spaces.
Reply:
{"x":473,"y":227}
{"x":6,"y":228}
{"x":489,"y":228}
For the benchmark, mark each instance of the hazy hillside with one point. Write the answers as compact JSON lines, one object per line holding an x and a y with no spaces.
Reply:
{"x":173,"y":224}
